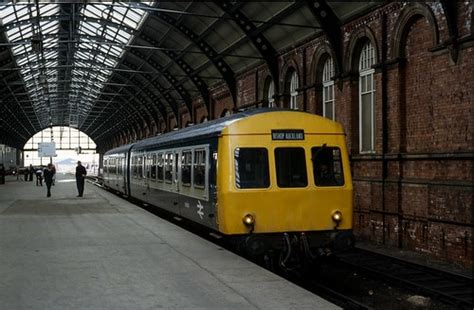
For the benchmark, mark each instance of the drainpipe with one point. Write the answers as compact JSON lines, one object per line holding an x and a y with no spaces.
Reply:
{"x":384,"y":120}
{"x":305,"y":95}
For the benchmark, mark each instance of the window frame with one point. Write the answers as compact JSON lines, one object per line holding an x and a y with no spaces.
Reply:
{"x":294,"y":84}
{"x":277,"y":170}
{"x":168,"y":164}
{"x":236,"y":171}
{"x":183,"y":164}
{"x":195,"y":164}
{"x":366,"y":73}
{"x":271,"y":94}
{"x":160,"y":177}
{"x":316,"y":178}
{"x":153,"y":167}
{"x":328,"y":87}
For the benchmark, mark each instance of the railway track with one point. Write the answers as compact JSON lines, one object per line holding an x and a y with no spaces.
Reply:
{"x":326,"y":292}
{"x":448,"y":287}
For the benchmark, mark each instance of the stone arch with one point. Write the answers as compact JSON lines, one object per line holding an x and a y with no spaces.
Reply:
{"x":358,"y":39}
{"x":266,"y":85}
{"x":417,"y":37}
{"x":287,"y":70}
{"x":408,"y":16}
{"x":320,"y":55}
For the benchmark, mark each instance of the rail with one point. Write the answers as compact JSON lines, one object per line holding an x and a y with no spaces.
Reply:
{"x":450,"y":287}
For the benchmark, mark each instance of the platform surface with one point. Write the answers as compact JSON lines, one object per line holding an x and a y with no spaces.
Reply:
{"x":101,"y":252}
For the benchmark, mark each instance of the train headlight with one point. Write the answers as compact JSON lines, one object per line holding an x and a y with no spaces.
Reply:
{"x":248,"y":220}
{"x":337,"y":216}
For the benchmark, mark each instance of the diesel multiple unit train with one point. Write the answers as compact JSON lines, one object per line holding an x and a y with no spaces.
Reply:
{"x":266,"y":179}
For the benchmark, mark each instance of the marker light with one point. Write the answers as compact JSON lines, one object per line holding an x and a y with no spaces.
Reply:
{"x":248,"y":220}
{"x":337,"y":216}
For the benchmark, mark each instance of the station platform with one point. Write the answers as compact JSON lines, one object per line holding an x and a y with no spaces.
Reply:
{"x":102,"y":252}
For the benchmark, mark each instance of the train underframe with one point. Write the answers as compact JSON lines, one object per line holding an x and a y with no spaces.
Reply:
{"x":294,"y":249}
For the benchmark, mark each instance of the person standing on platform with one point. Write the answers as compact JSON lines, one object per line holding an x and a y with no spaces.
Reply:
{"x":48,"y":178}
{"x":53,"y":169}
{"x":80,"y":176}
{"x":39,"y":177}
{"x":31,"y":171}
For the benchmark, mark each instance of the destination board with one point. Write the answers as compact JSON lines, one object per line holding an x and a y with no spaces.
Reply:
{"x":288,"y":134}
{"x":46,"y":149}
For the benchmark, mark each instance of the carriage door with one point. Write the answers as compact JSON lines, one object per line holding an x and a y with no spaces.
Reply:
{"x":148,"y":165}
{"x":123,"y":174}
{"x":176,"y":171}
{"x":185,"y":172}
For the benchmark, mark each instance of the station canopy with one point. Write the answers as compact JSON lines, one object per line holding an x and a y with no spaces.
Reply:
{"x":103,"y":67}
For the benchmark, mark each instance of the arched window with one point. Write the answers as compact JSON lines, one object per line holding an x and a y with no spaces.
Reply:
{"x":270,"y":94}
{"x":70,"y":144}
{"x":328,"y":89}
{"x":366,"y":99}
{"x":293,"y":91}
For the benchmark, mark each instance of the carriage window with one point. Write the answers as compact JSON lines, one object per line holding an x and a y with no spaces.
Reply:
{"x":134,"y":167}
{"x":140,"y":167}
{"x":153,"y":167}
{"x":148,"y":164}
{"x":119,"y":166}
{"x":327,"y":166}
{"x":160,"y":168}
{"x":113,"y":166}
{"x":291,"y":167}
{"x":251,"y":168}
{"x":186,"y":167}
{"x":168,"y":167}
{"x":199,"y":168}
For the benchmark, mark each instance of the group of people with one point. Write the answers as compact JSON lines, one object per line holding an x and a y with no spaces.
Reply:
{"x":41,"y":174}
{"x":48,"y":174}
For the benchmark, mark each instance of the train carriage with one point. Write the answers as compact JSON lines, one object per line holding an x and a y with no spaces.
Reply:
{"x":257,"y":177}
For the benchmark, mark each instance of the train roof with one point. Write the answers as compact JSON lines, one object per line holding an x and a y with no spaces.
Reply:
{"x":205,"y":130}
{"x":121,"y":149}
{"x":201,"y":131}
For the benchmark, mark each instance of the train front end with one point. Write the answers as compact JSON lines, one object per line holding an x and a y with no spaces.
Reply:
{"x":284,"y":183}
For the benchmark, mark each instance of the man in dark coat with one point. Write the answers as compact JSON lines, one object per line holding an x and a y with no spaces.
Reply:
{"x":80,"y":176}
{"x":31,"y":171}
{"x":48,"y":178}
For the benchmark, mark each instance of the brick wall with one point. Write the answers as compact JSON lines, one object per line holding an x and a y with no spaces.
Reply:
{"x":246,"y":89}
{"x":424,"y":203}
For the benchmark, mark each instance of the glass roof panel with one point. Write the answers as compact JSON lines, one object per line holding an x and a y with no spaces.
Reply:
{"x":99,"y":41}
